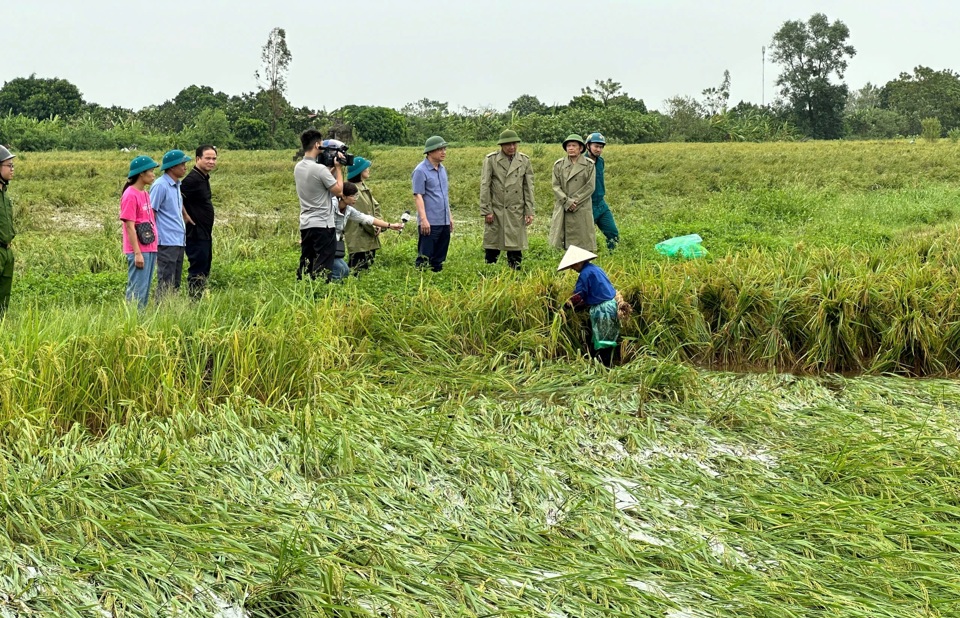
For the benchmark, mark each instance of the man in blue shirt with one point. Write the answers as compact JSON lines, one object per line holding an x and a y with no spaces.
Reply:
{"x":167,"y":203}
{"x":432,"y":197}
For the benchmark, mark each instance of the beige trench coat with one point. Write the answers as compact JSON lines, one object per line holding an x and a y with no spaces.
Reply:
{"x":573,"y":182}
{"x":506,"y":191}
{"x":360,"y":236}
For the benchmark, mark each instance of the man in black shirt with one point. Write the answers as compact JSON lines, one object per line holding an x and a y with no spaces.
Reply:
{"x":198,"y":204}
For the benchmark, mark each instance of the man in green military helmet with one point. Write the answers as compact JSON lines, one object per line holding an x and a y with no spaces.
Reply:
{"x":602,"y":216}
{"x":6,"y":229}
{"x":574,"y":179}
{"x":506,"y":200}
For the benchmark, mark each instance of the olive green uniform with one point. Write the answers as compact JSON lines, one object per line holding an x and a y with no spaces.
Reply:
{"x":573,"y":181}
{"x":506,"y":192}
{"x":361,"y":236}
{"x":6,"y":253}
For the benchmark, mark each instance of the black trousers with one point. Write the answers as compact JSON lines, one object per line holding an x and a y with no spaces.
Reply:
{"x":200,"y":256}
{"x":318,"y":248}
{"x":513,"y":257}
{"x":432,"y":249}
{"x":361,"y":260}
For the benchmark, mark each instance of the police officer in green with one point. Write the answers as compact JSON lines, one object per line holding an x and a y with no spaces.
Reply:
{"x":506,"y":201}
{"x":602,"y":216}
{"x":6,"y":228}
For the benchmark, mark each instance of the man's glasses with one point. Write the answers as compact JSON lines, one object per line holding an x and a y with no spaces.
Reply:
{"x":10,"y":165}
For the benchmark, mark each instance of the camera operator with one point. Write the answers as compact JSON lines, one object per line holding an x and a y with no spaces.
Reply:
{"x":317,"y":185}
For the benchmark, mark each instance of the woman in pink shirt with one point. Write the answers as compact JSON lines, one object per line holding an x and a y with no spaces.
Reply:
{"x":139,"y":229}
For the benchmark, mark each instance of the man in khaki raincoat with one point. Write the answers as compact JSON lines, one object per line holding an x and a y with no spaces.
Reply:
{"x":506,"y":201}
{"x":574,"y":179}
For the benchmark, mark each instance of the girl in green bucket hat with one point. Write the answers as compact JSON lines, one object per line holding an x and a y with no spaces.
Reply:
{"x":139,"y":229}
{"x":362,"y":240}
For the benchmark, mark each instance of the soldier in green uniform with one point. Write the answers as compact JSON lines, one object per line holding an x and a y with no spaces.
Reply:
{"x":601,"y":211}
{"x":506,"y":201}
{"x":574,"y":179}
{"x":6,"y":229}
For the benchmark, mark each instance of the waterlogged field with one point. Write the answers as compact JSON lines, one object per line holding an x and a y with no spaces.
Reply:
{"x":782,"y":438}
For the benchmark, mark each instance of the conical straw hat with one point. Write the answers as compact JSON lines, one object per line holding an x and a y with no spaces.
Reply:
{"x":574,"y":255}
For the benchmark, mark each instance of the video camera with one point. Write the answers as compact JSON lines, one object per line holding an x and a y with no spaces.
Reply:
{"x":332,"y":152}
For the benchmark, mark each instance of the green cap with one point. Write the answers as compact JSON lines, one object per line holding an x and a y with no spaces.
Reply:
{"x":434,"y":143}
{"x":509,"y":137}
{"x":172,"y":158}
{"x":359,"y":164}
{"x":573,"y":137}
{"x":140,"y":165}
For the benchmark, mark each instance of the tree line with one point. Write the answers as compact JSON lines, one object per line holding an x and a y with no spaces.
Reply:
{"x":813,"y":102}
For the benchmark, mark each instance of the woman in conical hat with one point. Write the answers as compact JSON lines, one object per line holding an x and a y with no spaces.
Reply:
{"x":595,"y":293}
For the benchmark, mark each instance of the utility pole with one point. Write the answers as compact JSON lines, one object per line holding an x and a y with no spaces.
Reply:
{"x":763,"y":76}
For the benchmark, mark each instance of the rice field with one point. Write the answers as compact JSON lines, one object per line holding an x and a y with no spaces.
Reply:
{"x":781,"y":439}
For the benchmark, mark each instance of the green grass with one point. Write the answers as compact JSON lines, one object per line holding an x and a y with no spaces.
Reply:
{"x":415,"y":444}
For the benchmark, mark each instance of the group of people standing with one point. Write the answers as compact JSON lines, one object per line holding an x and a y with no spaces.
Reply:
{"x":172,"y":220}
{"x":507,"y":198}
{"x":507,"y":204}
{"x":330,"y":223}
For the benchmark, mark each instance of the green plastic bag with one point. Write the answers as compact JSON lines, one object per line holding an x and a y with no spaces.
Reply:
{"x":682,"y":246}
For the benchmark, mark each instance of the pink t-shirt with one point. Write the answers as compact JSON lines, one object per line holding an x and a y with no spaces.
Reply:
{"x":135,"y":206}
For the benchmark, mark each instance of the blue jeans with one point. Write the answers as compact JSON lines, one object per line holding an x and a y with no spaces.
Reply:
{"x":340,"y":270}
{"x":139,"y":279}
{"x":433,"y":248}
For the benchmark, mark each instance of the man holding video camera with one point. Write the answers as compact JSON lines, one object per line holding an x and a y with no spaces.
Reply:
{"x":319,"y":179}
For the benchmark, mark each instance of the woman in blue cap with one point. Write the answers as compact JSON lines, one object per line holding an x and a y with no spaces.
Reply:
{"x":362,"y":239}
{"x":139,"y":229}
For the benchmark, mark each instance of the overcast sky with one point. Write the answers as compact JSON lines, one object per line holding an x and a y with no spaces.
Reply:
{"x":471,"y":54}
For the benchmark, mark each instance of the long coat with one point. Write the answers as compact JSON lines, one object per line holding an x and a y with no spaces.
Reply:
{"x":361,"y":236}
{"x":573,"y":182}
{"x":506,"y":191}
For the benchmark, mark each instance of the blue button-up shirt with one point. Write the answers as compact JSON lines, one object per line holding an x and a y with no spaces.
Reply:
{"x":593,"y":286}
{"x":167,"y":202}
{"x":433,"y":185}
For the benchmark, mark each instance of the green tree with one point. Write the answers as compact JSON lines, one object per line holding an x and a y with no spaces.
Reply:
{"x":811,"y":53}
{"x":867,"y":97}
{"x":194,"y":99}
{"x":925,"y":94}
{"x":626,"y":102}
{"x":275,"y":58}
{"x":426,"y":108}
{"x":252,"y":133}
{"x":210,"y":127}
{"x":715,"y":99}
{"x":606,"y":93}
{"x":39,"y":98}
{"x":527,"y":104}
{"x":380,"y":125}
{"x":585,"y":101}
{"x":687,"y":121}
{"x":603,"y":90}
